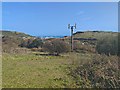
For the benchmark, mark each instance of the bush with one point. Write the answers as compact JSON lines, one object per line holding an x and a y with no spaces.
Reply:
{"x":56,"y":47}
{"x":35,"y":43}
{"x":83,"y":47}
{"x":107,"y":45}
{"x":32,"y":43}
{"x":24,"y":44}
{"x":100,"y":72}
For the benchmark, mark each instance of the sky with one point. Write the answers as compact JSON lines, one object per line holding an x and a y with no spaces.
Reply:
{"x":52,"y":18}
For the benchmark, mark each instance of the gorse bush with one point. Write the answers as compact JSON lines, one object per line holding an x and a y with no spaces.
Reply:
{"x":24,"y":43}
{"x":100,"y":72}
{"x":56,"y":47}
{"x":83,"y":47}
{"x":36,"y":43}
{"x":107,"y":45}
{"x":9,"y":42}
{"x":32,"y":43}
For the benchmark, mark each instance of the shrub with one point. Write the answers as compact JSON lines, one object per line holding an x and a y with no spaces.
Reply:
{"x":83,"y":47}
{"x":30,"y":43}
{"x":56,"y":47}
{"x":24,"y":44}
{"x":101,"y":71}
{"x":35,"y":43}
{"x":107,"y":45}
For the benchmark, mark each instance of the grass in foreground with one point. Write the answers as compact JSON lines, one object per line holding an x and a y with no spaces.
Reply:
{"x":37,"y":71}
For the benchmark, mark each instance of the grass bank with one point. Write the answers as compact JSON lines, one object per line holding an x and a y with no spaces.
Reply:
{"x":35,"y":70}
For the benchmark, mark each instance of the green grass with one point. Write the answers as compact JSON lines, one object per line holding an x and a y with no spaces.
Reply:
{"x":14,"y":34}
{"x":32,"y":70}
{"x":97,"y":35}
{"x":38,"y":71}
{"x":35,"y":71}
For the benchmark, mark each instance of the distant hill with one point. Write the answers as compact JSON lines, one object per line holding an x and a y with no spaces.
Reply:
{"x":91,"y":37}
{"x":14,"y":34}
{"x":12,"y":39}
{"x":94,"y":34}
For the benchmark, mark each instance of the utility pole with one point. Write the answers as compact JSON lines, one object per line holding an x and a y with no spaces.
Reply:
{"x":71,"y":27}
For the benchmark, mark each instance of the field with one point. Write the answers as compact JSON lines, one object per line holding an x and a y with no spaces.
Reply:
{"x":38,"y":71}
{"x":83,"y":68}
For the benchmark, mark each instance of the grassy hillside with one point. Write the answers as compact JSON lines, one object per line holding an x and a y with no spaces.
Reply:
{"x":22,"y":68}
{"x":12,"y":39}
{"x":94,"y":34}
{"x":14,"y":34}
{"x":71,"y":70}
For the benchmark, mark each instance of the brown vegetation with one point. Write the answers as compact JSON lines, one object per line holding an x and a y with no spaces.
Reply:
{"x":101,"y":71}
{"x":56,"y":47}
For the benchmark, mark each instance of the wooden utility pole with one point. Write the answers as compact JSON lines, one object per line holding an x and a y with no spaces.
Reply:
{"x":71,"y":27}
